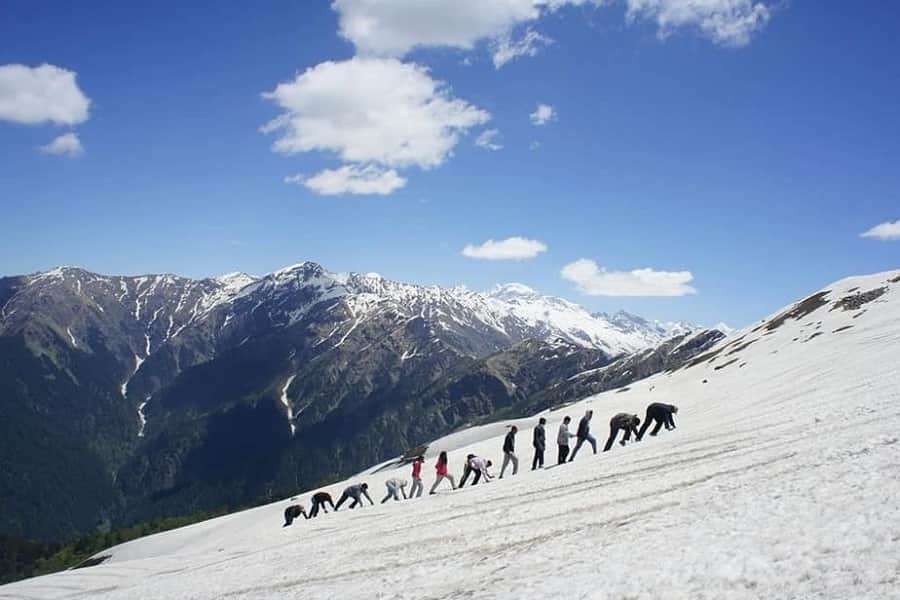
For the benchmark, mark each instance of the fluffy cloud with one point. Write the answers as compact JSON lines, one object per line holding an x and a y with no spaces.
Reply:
{"x":884,"y":231}
{"x":543,"y":114}
{"x":44,"y":94}
{"x":67,"y":144}
{"x":726,"y":22}
{"x":488,"y":140}
{"x":394,"y":27}
{"x":371,"y":111}
{"x":351,"y":179}
{"x":594,"y":280}
{"x":505,"y":48}
{"x":514,"y":248}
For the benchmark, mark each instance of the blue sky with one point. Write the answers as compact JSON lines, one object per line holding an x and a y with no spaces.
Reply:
{"x":748,"y":146}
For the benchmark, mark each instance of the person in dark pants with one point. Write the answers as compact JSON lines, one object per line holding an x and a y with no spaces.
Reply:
{"x":479,"y":466}
{"x":320,"y":499}
{"x":662,"y":414}
{"x":293,"y":512}
{"x":540,"y":444}
{"x":356,"y":492}
{"x":562,"y":440}
{"x":584,"y":434}
{"x":467,"y":470}
{"x":625,"y":421}
{"x":509,"y":451}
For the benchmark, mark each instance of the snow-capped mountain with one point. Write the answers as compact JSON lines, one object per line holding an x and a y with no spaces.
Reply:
{"x":780,"y":481}
{"x":160,"y":386}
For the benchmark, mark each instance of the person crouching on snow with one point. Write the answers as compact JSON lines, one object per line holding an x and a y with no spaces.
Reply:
{"x":293,"y":512}
{"x":393,"y":487}
{"x":356,"y":492}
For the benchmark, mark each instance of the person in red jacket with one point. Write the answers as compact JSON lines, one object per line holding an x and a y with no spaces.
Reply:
{"x":417,"y":487}
{"x":442,"y":472}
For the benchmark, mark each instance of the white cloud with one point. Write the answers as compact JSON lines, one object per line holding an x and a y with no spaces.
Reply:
{"x":371,"y":111}
{"x":394,"y":27}
{"x":594,"y":280}
{"x":514,"y":248}
{"x":488,"y":140}
{"x":884,"y":231}
{"x":543,"y":114}
{"x":534,"y":145}
{"x":726,"y":22}
{"x":351,"y":179}
{"x":34,"y":95}
{"x":67,"y":144}
{"x":505,"y":48}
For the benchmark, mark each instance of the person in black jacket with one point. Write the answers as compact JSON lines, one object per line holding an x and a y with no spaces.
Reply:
{"x":540,"y":444}
{"x":625,"y":421}
{"x":293,"y":512}
{"x":509,"y":451}
{"x":662,"y":414}
{"x":584,"y":434}
{"x":320,"y":499}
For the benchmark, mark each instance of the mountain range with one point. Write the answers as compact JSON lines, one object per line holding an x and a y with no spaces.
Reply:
{"x":127,"y":398}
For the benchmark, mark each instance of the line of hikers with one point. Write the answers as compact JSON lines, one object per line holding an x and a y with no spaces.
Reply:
{"x":660,"y":414}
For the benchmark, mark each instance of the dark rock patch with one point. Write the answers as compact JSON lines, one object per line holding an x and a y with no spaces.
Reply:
{"x":800,"y":309}
{"x":844,"y":328}
{"x":855,"y":301}
{"x":743,"y":346}
{"x":730,"y":362}
{"x":93,"y":561}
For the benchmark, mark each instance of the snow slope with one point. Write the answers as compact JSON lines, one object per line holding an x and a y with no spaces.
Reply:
{"x":781,"y":481}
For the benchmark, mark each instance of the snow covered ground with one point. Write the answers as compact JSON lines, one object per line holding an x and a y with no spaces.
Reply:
{"x":781,"y":481}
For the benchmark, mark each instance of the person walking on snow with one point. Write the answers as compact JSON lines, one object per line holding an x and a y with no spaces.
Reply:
{"x":584,"y":434}
{"x":356,"y":492}
{"x":320,"y":499}
{"x":442,"y":473}
{"x":417,"y":487}
{"x":562,"y":440}
{"x":625,"y":421}
{"x":509,"y":451}
{"x":393,"y":486}
{"x":540,"y":444}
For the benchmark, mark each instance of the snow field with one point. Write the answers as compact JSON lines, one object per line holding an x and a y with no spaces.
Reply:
{"x":781,"y":481}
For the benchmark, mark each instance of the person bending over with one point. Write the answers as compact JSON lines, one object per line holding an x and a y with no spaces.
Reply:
{"x":663,"y":414}
{"x":625,"y":421}
{"x":395,"y":487}
{"x":293,"y":512}
{"x":320,"y":499}
{"x":356,"y":492}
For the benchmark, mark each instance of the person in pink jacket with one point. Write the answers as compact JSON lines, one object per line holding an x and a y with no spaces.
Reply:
{"x":417,"y":487}
{"x":442,"y":472}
